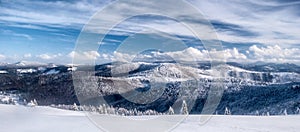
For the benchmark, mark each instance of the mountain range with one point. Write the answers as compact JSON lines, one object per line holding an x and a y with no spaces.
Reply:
{"x":247,"y":88}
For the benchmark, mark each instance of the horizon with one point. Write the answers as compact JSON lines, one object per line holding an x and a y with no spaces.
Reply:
{"x":36,"y":63}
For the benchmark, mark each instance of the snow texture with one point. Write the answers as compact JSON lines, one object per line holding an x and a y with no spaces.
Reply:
{"x":46,"y":119}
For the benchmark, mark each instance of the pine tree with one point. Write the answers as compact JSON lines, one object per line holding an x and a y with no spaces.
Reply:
{"x":140,"y":113}
{"x":105,"y":109}
{"x":184,"y":108}
{"x":135,"y":111}
{"x":85,"y":108}
{"x":92,"y":108}
{"x":24,"y":101}
{"x":171,"y":111}
{"x":112,"y":110}
{"x":257,"y":113}
{"x":81,"y":108}
{"x":100,"y":109}
{"x":298,"y":111}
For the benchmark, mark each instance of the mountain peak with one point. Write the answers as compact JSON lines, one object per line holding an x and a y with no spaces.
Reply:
{"x":28,"y":63}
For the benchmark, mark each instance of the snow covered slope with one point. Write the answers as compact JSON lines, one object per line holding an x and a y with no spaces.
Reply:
{"x":46,"y":119}
{"x":42,"y":119}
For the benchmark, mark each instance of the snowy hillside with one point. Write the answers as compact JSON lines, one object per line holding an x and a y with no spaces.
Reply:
{"x":247,"y":88}
{"x":46,"y":119}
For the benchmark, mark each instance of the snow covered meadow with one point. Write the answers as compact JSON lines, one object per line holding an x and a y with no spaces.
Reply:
{"x":17,"y":118}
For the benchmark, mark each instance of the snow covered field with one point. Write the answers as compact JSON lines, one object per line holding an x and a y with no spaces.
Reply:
{"x":46,"y":119}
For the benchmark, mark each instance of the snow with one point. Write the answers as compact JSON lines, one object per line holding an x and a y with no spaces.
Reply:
{"x":52,"y":71}
{"x":3,"y":72}
{"x":285,"y":77}
{"x":222,"y":123}
{"x":28,"y":63}
{"x":10,"y":98}
{"x":26,"y":70}
{"x":47,"y":119}
{"x":42,"y":68}
{"x":72,"y":68}
{"x":42,"y":119}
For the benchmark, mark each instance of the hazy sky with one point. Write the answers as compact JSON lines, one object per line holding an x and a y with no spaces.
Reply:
{"x":46,"y":31}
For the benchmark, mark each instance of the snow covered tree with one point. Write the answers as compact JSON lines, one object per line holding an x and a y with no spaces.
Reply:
{"x":135,"y":111}
{"x":75,"y":107}
{"x":140,"y":113}
{"x":81,"y":108}
{"x":85,"y":108}
{"x":257,"y":113}
{"x":100,"y":109}
{"x":227,"y":111}
{"x":93,"y":109}
{"x":298,"y":111}
{"x":35,"y":102}
{"x":285,"y":112}
{"x":171,"y":111}
{"x":111,"y":110}
{"x":131,"y":112}
{"x":32,"y":103}
{"x":184,"y":108}
{"x":25,"y":102}
{"x":105,"y":109}
{"x":121,"y":111}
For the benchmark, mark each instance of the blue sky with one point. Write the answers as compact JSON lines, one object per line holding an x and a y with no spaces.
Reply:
{"x":46,"y":31}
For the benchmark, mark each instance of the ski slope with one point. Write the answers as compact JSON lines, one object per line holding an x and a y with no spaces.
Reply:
{"x":46,"y":119}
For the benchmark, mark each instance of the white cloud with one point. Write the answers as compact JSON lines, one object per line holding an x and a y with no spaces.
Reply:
{"x":72,"y":54}
{"x":234,"y":54}
{"x":9,"y":32}
{"x":87,"y":55}
{"x":27,"y":55}
{"x":254,"y":53}
{"x":272,"y":22}
{"x":106,"y":56}
{"x":45,"y":56}
{"x":49,"y":13}
{"x":193,"y":54}
{"x":177,"y":24}
{"x":123,"y":57}
{"x":2,"y":57}
{"x":91,"y":54}
{"x":188,"y":54}
{"x":49,"y":56}
{"x":275,"y":54}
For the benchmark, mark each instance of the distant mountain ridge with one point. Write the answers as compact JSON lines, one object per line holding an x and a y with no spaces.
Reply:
{"x":261,"y":83}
